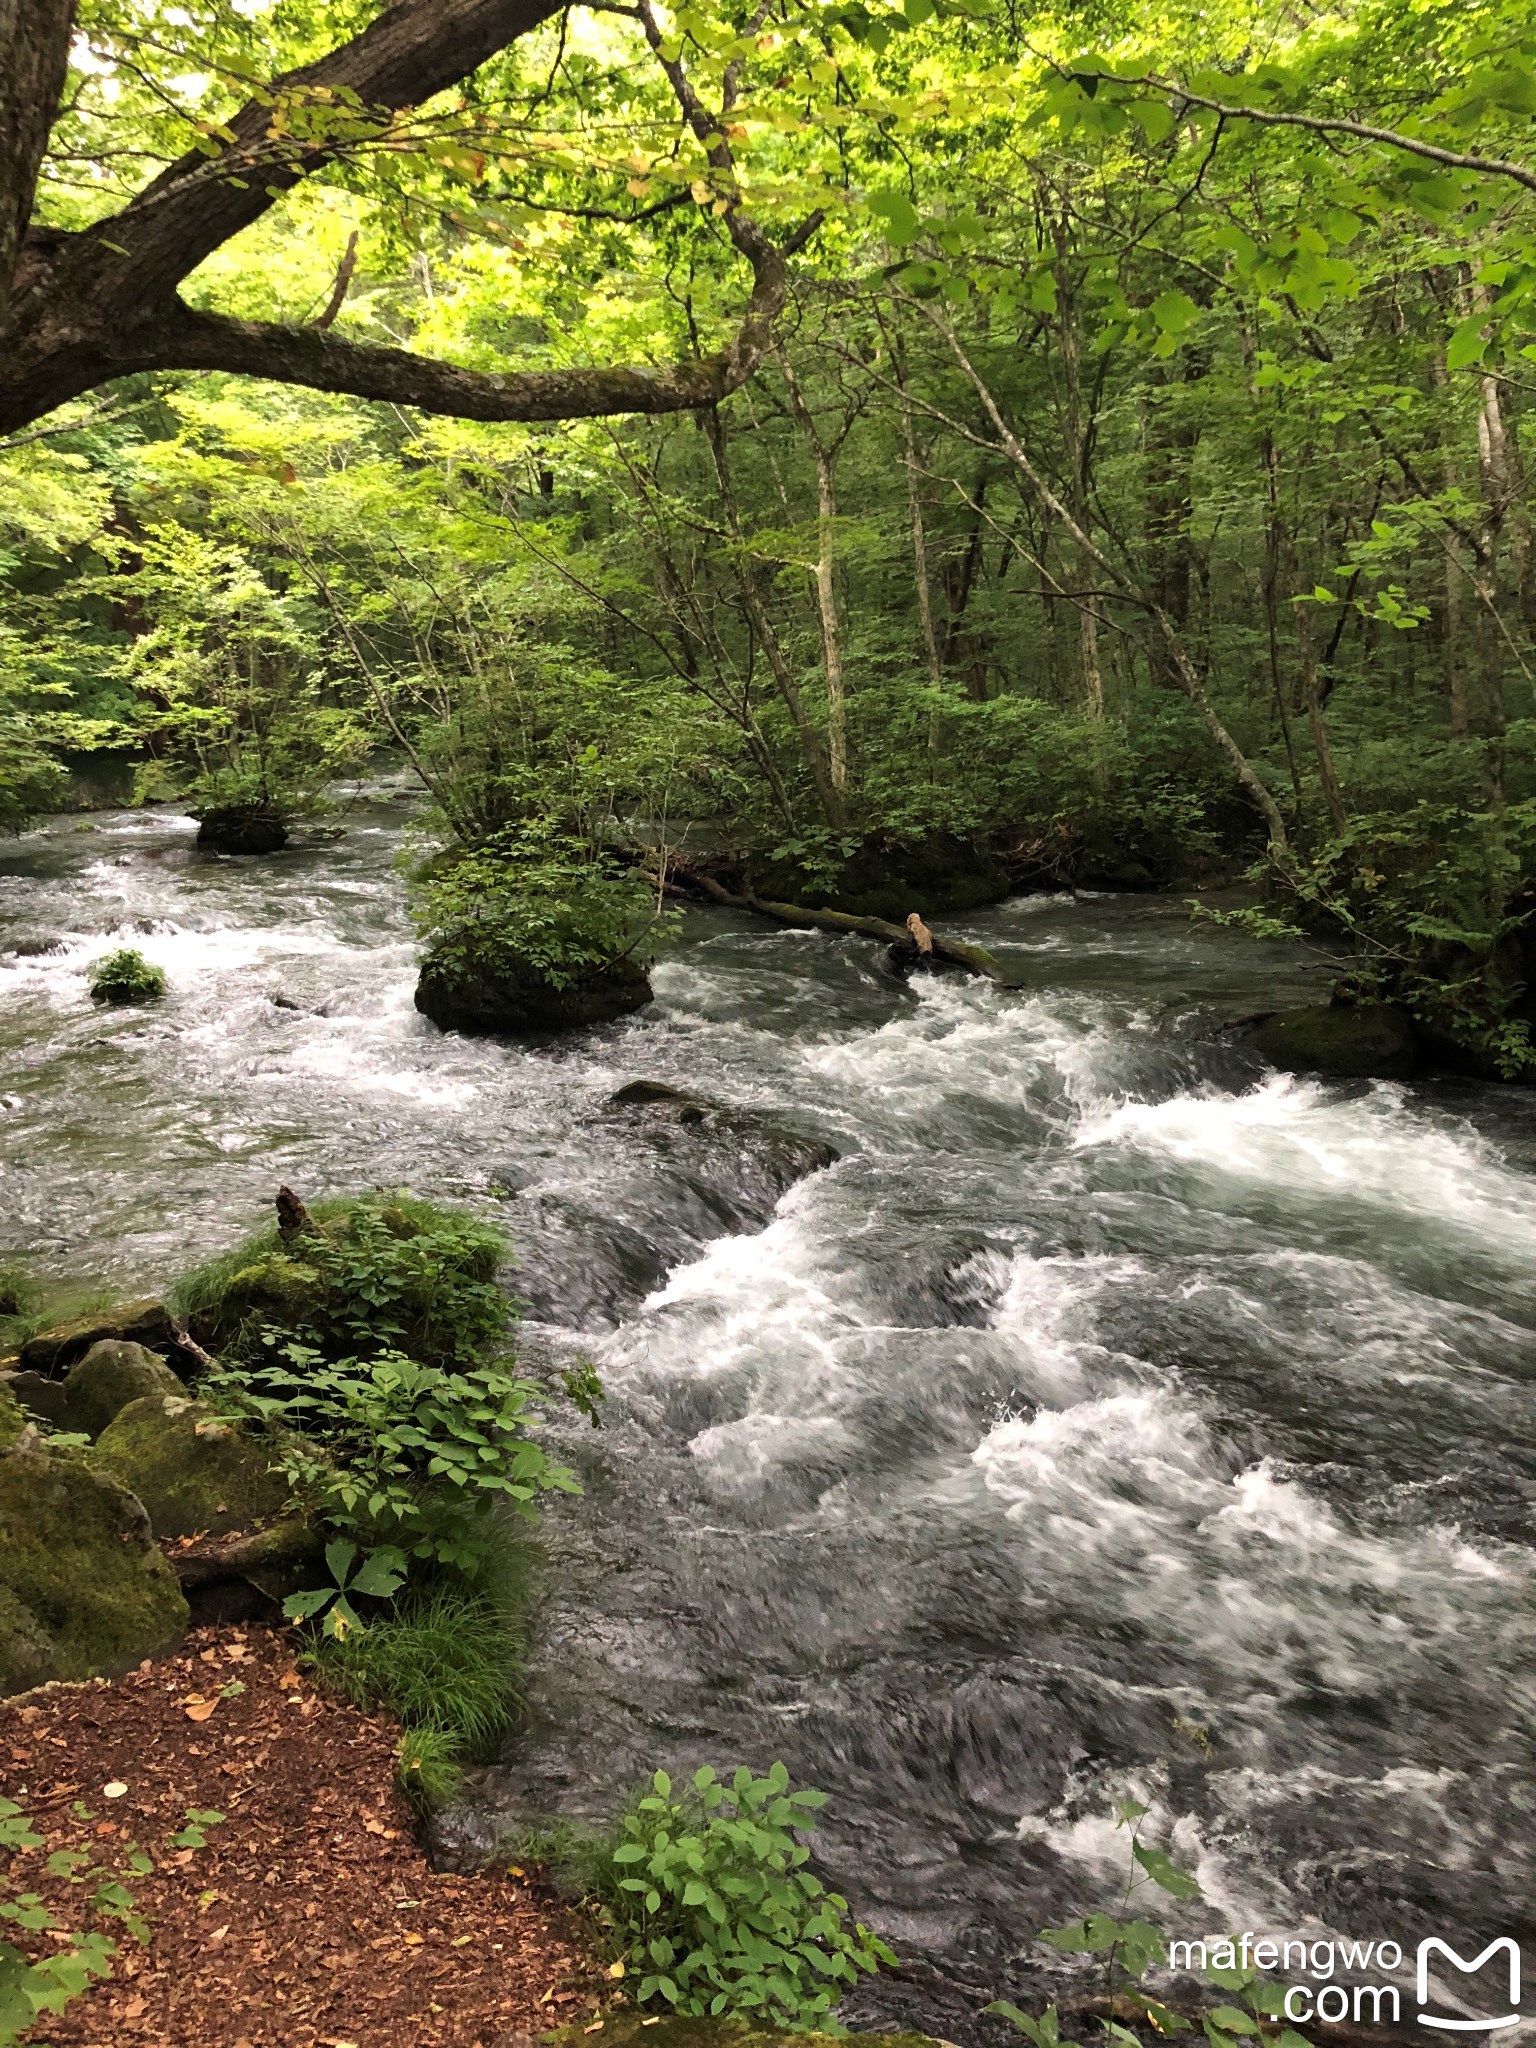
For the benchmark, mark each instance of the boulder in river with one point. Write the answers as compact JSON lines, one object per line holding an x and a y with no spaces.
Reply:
{"x":99,"y":1385}
{"x":241,"y":828}
{"x":194,"y":1472}
{"x":83,"y":1589}
{"x":1362,"y":1040}
{"x":491,"y":997}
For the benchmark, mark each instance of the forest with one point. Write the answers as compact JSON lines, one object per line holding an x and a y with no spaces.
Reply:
{"x":1077,"y":450}
{"x":767,"y":999}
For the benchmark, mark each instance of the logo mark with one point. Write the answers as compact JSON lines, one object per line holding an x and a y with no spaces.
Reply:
{"x":1434,"y":1945}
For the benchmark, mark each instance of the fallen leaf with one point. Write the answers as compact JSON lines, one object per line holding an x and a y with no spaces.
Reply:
{"x":202,"y":1710}
{"x":616,"y":1969}
{"x":595,"y":2028}
{"x":115,"y":1790}
{"x":289,"y":1678}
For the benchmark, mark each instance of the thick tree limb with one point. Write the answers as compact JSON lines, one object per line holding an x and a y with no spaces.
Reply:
{"x":974,"y":959}
{"x":90,"y":307}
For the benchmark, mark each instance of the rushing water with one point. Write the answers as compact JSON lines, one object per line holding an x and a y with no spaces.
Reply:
{"x":1114,"y":1416}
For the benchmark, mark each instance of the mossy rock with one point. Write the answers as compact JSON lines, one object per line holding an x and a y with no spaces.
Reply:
{"x":631,"y":2029}
{"x":13,"y":1418}
{"x":497,"y":997}
{"x":83,"y":1590}
{"x":112,"y":1373}
{"x":1363,"y":1041}
{"x":239,"y":828}
{"x":52,"y":1352}
{"x":888,"y":880}
{"x":194,"y":1472}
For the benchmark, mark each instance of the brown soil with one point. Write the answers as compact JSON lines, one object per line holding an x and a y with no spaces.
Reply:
{"x":310,"y":1918}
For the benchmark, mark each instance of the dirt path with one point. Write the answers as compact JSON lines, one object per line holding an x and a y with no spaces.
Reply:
{"x":307,"y":1917}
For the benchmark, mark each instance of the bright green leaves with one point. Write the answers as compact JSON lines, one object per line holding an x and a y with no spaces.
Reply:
{"x":900,"y":218}
{"x":380,"y":1576}
{"x":1164,"y":1873}
{"x":719,"y":1914}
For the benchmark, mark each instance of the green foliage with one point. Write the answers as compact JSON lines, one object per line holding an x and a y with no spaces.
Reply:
{"x":447,"y":1661}
{"x":379,"y":1577}
{"x":375,"y":1273}
{"x":1132,"y":1947}
{"x":125,"y":976}
{"x":28,"y":1987}
{"x":535,"y":898}
{"x":716,"y":1911}
{"x":386,"y":1447}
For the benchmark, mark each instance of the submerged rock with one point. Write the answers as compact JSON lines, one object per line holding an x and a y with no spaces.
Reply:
{"x":83,"y":1590}
{"x":99,"y":1385}
{"x":491,"y":998}
{"x":236,"y":829}
{"x":195,"y":1473}
{"x":1366,"y":1041}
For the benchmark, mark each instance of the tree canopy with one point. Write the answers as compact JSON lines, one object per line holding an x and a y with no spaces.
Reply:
{"x":1085,"y":442}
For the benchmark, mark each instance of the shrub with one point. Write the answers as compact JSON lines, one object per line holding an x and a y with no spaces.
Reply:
{"x":367,"y":1275}
{"x":710,"y":1896}
{"x":392,"y":1450}
{"x":126,"y":977}
{"x":536,"y":899}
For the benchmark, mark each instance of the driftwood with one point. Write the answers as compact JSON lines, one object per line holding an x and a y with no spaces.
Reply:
{"x":292,"y":1216}
{"x":913,"y":938}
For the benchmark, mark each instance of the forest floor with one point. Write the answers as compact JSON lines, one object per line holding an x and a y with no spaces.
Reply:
{"x":308,"y":1916}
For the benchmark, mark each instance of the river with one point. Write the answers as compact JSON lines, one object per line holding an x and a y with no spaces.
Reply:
{"x":1115,"y":1417}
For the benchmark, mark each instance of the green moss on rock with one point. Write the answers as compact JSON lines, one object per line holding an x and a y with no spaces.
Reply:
{"x":83,"y":1590}
{"x":53,"y":1351}
{"x":193,"y":1472}
{"x":495,"y":997}
{"x":112,"y":1373}
{"x":13,"y":1418}
{"x":1368,"y":1040}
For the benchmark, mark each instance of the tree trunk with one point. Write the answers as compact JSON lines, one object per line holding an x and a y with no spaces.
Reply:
{"x":34,"y":62}
{"x":779,"y":666}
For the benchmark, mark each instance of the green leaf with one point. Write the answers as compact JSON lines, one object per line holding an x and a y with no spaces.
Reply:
{"x":1174,"y":311}
{"x":1165,"y":1874}
{"x":1153,"y":117}
{"x":899,"y":215}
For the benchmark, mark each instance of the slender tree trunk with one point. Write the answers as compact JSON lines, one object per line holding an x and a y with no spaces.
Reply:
{"x":1168,"y":637}
{"x":773,"y":652}
{"x":1455,"y":667}
{"x":1075,"y":437}
{"x":1306,"y":653}
{"x":1496,"y":476}
{"x":823,"y":580}
{"x":919,"y":543}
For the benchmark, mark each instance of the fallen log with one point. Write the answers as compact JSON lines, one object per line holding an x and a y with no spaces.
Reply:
{"x":201,"y":1562}
{"x":908,"y":938}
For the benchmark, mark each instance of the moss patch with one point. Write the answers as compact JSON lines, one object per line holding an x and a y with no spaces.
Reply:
{"x":83,"y":1590}
{"x":1369,"y":1040}
{"x":54,"y":1350}
{"x":110,"y":1375}
{"x":193,"y":1472}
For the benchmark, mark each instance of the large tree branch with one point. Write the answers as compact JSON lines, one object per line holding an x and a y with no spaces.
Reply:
{"x":324,"y":361}
{"x":413,"y":51}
